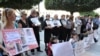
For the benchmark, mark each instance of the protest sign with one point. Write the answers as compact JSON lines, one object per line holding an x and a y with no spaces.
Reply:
{"x":35,"y":21}
{"x":50,"y":23}
{"x":56,"y":23}
{"x":62,"y":49}
{"x":98,"y":31}
{"x":12,"y":41}
{"x":28,"y":38}
{"x":96,"y":34}
{"x":79,"y":48}
{"x":88,"y":41}
{"x":19,"y":40}
{"x":91,"y":39}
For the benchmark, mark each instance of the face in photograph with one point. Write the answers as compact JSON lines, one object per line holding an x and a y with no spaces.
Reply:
{"x":19,"y":47}
{"x":28,"y":32}
{"x":10,"y":46}
{"x":22,"y":32}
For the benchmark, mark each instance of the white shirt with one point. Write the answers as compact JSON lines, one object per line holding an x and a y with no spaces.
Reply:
{"x":78,"y":22}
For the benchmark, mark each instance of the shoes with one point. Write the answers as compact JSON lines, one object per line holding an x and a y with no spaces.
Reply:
{"x":33,"y":53}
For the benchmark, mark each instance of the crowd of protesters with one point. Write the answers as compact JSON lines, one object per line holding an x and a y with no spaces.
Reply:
{"x":64,"y":29}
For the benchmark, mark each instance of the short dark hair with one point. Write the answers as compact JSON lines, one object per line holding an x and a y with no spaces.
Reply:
{"x":71,"y":17}
{"x":53,"y":38}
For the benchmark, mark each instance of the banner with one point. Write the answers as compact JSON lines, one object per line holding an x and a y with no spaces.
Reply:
{"x":88,"y":41}
{"x":96,"y":34}
{"x":79,"y":48}
{"x":98,"y":30}
{"x":62,"y":49}
{"x":19,"y":40}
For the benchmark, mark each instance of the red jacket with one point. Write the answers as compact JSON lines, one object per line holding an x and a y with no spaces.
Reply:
{"x":49,"y":49}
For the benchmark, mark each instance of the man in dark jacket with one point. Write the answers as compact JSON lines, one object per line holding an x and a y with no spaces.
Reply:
{"x":35,"y":28}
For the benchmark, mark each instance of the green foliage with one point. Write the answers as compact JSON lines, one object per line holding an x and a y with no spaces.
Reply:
{"x":72,"y":5}
{"x":18,"y":4}
{"x":91,"y":13}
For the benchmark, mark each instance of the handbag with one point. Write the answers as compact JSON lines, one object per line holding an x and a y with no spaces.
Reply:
{"x":95,"y":26}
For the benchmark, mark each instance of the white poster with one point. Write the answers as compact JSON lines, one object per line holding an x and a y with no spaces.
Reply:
{"x":56,"y":23}
{"x":50,"y":23}
{"x":28,"y":38}
{"x":98,"y":31}
{"x":12,"y":41}
{"x":85,"y":42}
{"x":79,"y":48}
{"x":19,"y":40}
{"x":62,"y":49}
{"x":88,"y":41}
{"x":96,"y":34}
{"x":35,"y":21}
{"x":91,"y":39}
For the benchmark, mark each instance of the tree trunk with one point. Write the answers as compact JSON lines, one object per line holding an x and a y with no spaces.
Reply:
{"x":71,"y":12}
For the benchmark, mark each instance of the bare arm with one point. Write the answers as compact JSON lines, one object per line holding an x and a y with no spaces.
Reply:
{"x":19,"y":25}
{"x":3,"y":48}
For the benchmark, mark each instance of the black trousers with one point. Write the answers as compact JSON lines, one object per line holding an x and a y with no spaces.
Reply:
{"x":36,"y":32}
{"x":63,"y":34}
{"x":83,"y":28}
{"x":69,"y":31}
{"x":56,"y":31}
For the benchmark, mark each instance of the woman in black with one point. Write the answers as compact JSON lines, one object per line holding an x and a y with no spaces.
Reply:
{"x":35,"y":28}
{"x":63,"y":29}
{"x":22,"y":23}
{"x":56,"y":28}
{"x":47,"y":30}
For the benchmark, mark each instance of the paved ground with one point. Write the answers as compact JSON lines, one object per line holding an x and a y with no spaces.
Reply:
{"x":93,"y":51}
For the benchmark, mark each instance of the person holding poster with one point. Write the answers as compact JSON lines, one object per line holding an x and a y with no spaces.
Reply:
{"x":1,"y":47}
{"x":35,"y":24}
{"x":22,"y":23}
{"x":8,"y":17}
{"x":56,"y":28}
{"x":47,"y":30}
{"x":63,"y":29}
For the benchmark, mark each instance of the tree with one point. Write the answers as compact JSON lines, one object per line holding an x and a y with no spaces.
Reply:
{"x":91,"y":13}
{"x":18,"y":4}
{"x":72,"y":5}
